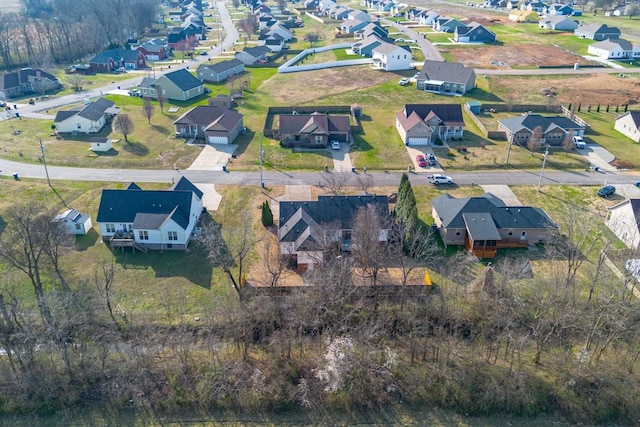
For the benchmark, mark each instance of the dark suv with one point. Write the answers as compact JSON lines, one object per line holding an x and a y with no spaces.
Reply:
{"x":606,"y":191}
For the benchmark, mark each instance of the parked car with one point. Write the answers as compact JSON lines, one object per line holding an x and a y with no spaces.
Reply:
{"x":439,"y":179}
{"x":421,"y":161}
{"x":578,"y":142}
{"x":606,"y":191}
{"x":335,"y":144}
{"x":204,"y":53}
{"x":403,"y":81}
{"x":431,"y":159}
{"x":135,"y":92}
{"x":400,"y":40}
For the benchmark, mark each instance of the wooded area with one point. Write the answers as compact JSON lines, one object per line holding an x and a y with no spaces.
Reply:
{"x":65,"y":31}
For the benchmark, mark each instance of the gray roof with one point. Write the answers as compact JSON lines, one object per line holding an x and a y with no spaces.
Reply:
{"x":313,"y":124}
{"x":183,"y":79}
{"x":210,"y":117}
{"x":73,"y":216}
{"x":445,"y":71}
{"x":116,"y":55}
{"x":147,"y":208}
{"x":451,"y":211}
{"x":635,"y":117}
{"x":257,"y":51}
{"x":17,"y":78}
{"x":223,"y":66}
{"x":531,"y":121}
{"x":609,"y":44}
{"x":450,"y":114}
{"x":95,"y":110}
{"x":597,"y":29}
{"x":480,"y":226}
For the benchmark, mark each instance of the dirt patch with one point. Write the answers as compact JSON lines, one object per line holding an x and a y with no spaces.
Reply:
{"x":308,"y":86}
{"x":516,"y":56}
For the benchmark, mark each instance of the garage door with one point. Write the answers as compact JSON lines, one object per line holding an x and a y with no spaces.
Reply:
{"x":218,"y":140}
{"x":418,"y":141}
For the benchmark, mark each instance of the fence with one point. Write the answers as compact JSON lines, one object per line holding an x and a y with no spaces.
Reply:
{"x":288,"y":67}
{"x":487,"y":133}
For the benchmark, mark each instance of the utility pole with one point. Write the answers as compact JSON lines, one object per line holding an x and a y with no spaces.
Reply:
{"x":508,"y":151}
{"x":261,"y":160}
{"x":544,"y":160}
{"x":44,"y":160}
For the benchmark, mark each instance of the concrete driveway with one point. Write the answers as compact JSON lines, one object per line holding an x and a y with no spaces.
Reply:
{"x":341,"y":158}
{"x":598,"y":156}
{"x":504,"y":193}
{"x":213,"y":157}
{"x":413,"y":151}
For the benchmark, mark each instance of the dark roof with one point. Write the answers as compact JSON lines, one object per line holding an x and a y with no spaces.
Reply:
{"x":116,"y":55}
{"x":313,"y":124}
{"x":450,"y":114}
{"x":596,"y":28}
{"x":11,"y":80}
{"x":480,"y":226}
{"x":451,"y":211}
{"x":222,"y":66}
{"x":64,"y":115}
{"x":146,"y":209}
{"x":184,"y":184}
{"x":445,"y":71}
{"x":183,"y":79}
{"x":298,"y":218}
{"x":531,"y":121}
{"x":209,"y":117}
{"x":256,"y":51}
{"x":95,"y":110}
{"x":635,"y":117}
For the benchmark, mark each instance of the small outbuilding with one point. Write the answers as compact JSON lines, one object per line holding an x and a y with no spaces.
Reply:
{"x":74,"y":221}
{"x":100,"y":145}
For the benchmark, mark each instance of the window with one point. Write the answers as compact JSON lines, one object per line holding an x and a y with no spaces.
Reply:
{"x":511,"y":232}
{"x":458,"y":233}
{"x":78,"y":226}
{"x":110,"y":228}
{"x":143,"y":235}
{"x":173,"y":235}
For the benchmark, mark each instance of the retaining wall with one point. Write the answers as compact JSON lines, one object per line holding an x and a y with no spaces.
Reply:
{"x":288,"y":66}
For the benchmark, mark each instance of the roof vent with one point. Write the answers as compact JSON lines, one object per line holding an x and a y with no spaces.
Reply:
{"x":518,"y":210}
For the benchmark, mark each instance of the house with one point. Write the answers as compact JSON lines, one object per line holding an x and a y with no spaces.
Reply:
{"x":616,"y":11}
{"x":596,"y":32}
{"x":313,"y":130}
{"x":220,"y":71}
{"x":307,"y":228}
{"x":428,"y":17}
{"x":559,"y":9}
{"x":485,"y":224}
{"x":251,"y":55}
{"x":74,"y":222}
{"x":178,"y":85}
{"x":154,"y":50}
{"x":523,"y":16}
{"x":366,"y":46}
{"x":389,"y":57}
{"x":100,"y":145}
{"x":535,"y":6}
{"x":628,"y":124}
{"x":444,"y":24}
{"x":341,"y":12}
{"x":371,"y":29}
{"x":423,"y":124}
{"x":352,"y":26}
{"x":110,"y":60}
{"x":26,"y":81}
{"x":213,"y":124}
{"x":614,"y":49}
{"x":179,"y":39}
{"x":558,"y":23}
{"x":448,"y":78}
{"x":623,"y":220}
{"x":274,"y":43}
{"x":150,"y":219}
{"x":222,"y":101}
{"x":358,"y":15}
{"x":89,"y":118}
{"x":554,"y":129}
{"x":473,"y":33}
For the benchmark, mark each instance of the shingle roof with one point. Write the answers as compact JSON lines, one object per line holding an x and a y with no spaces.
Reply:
{"x":313,"y":123}
{"x":146,"y":208}
{"x":95,"y":110}
{"x":635,"y":117}
{"x":609,"y":44}
{"x":183,"y":79}
{"x":451,"y":210}
{"x":480,"y":226}
{"x":11,"y":80}
{"x":445,"y":71}
{"x":209,"y":117}
{"x":450,"y":114}
{"x":597,"y":28}
{"x":256,"y":51}
{"x":222,"y":66}
{"x":531,"y":121}
{"x":117,"y":55}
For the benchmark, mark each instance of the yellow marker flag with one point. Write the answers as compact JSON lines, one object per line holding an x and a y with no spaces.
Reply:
{"x":427,"y":279}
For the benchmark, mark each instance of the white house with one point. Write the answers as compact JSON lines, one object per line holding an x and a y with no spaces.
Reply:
{"x":614,"y":49}
{"x":150,"y":219}
{"x":623,"y":221}
{"x":74,"y":222}
{"x":90,"y":118}
{"x":390,"y":57}
{"x":628,"y":124}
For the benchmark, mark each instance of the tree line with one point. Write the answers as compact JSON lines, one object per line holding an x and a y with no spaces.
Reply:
{"x":560,"y":337}
{"x":49,"y":32}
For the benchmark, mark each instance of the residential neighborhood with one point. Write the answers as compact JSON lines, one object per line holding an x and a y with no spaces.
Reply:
{"x":287,"y":212}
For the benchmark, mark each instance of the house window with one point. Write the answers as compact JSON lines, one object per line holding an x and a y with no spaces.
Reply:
{"x":79,"y":126}
{"x":110,"y":228}
{"x":78,"y":226}
{"x":510,"y":232}
{"x":458,"y":233}
{"x":173,"y":235}
{"x":143,"y":235}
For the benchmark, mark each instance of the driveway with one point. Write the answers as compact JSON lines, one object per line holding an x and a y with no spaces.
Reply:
{"x":341,"y":158}
{"x":211,"y":198}
{"x":598,"y":156}
{"x":213,"y":157}
{"x":291,"y":193}
{"x":503,"y":192}
{"x":413,"y":151}
{"x":428,"y":49}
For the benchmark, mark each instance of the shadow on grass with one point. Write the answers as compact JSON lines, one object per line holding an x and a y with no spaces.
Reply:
{"x":481,"y":95}
{"x":243,"y":141}
{"x":88,"y":240}
{"x":161,"y":129}
{"x":111,"y":153}
{"x":192,"y":264}
{"x":135,"y":148}
{"x":360,"y":144}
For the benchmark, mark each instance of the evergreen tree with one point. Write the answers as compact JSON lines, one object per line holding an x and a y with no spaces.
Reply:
{"x":267,"y":215}
{"x":406,"y":210}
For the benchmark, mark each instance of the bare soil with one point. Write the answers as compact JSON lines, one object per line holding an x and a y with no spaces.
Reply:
{"x":516,"y":56}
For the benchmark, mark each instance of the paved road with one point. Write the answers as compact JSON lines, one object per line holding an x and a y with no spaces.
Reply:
{"x":428,"y":49}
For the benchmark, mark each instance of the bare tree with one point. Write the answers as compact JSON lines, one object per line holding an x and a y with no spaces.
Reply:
{"x":229,"y":246}
{"x":632,"y":10}
{"x":274,"y":266}
{"x":123,"y":124}
{"x":535,"y":140}
{"x":76,"y":81}
{"x":312,"y":38}
{"x":364,"y":182}
{"x":147,"y":108}
{"x":567,"y":142}
{"x":248,"y":25}
{"x":161,"y":97}
{"x":104,"y":279}
{"x":369,"y":249}
{"x":335,"y":181}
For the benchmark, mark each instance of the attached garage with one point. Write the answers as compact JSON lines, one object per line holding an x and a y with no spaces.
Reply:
{"x":218,"y":139}
{"x":418,"y":141}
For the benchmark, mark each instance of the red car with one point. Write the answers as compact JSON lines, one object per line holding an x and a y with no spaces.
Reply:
{"x":422,"y":162}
